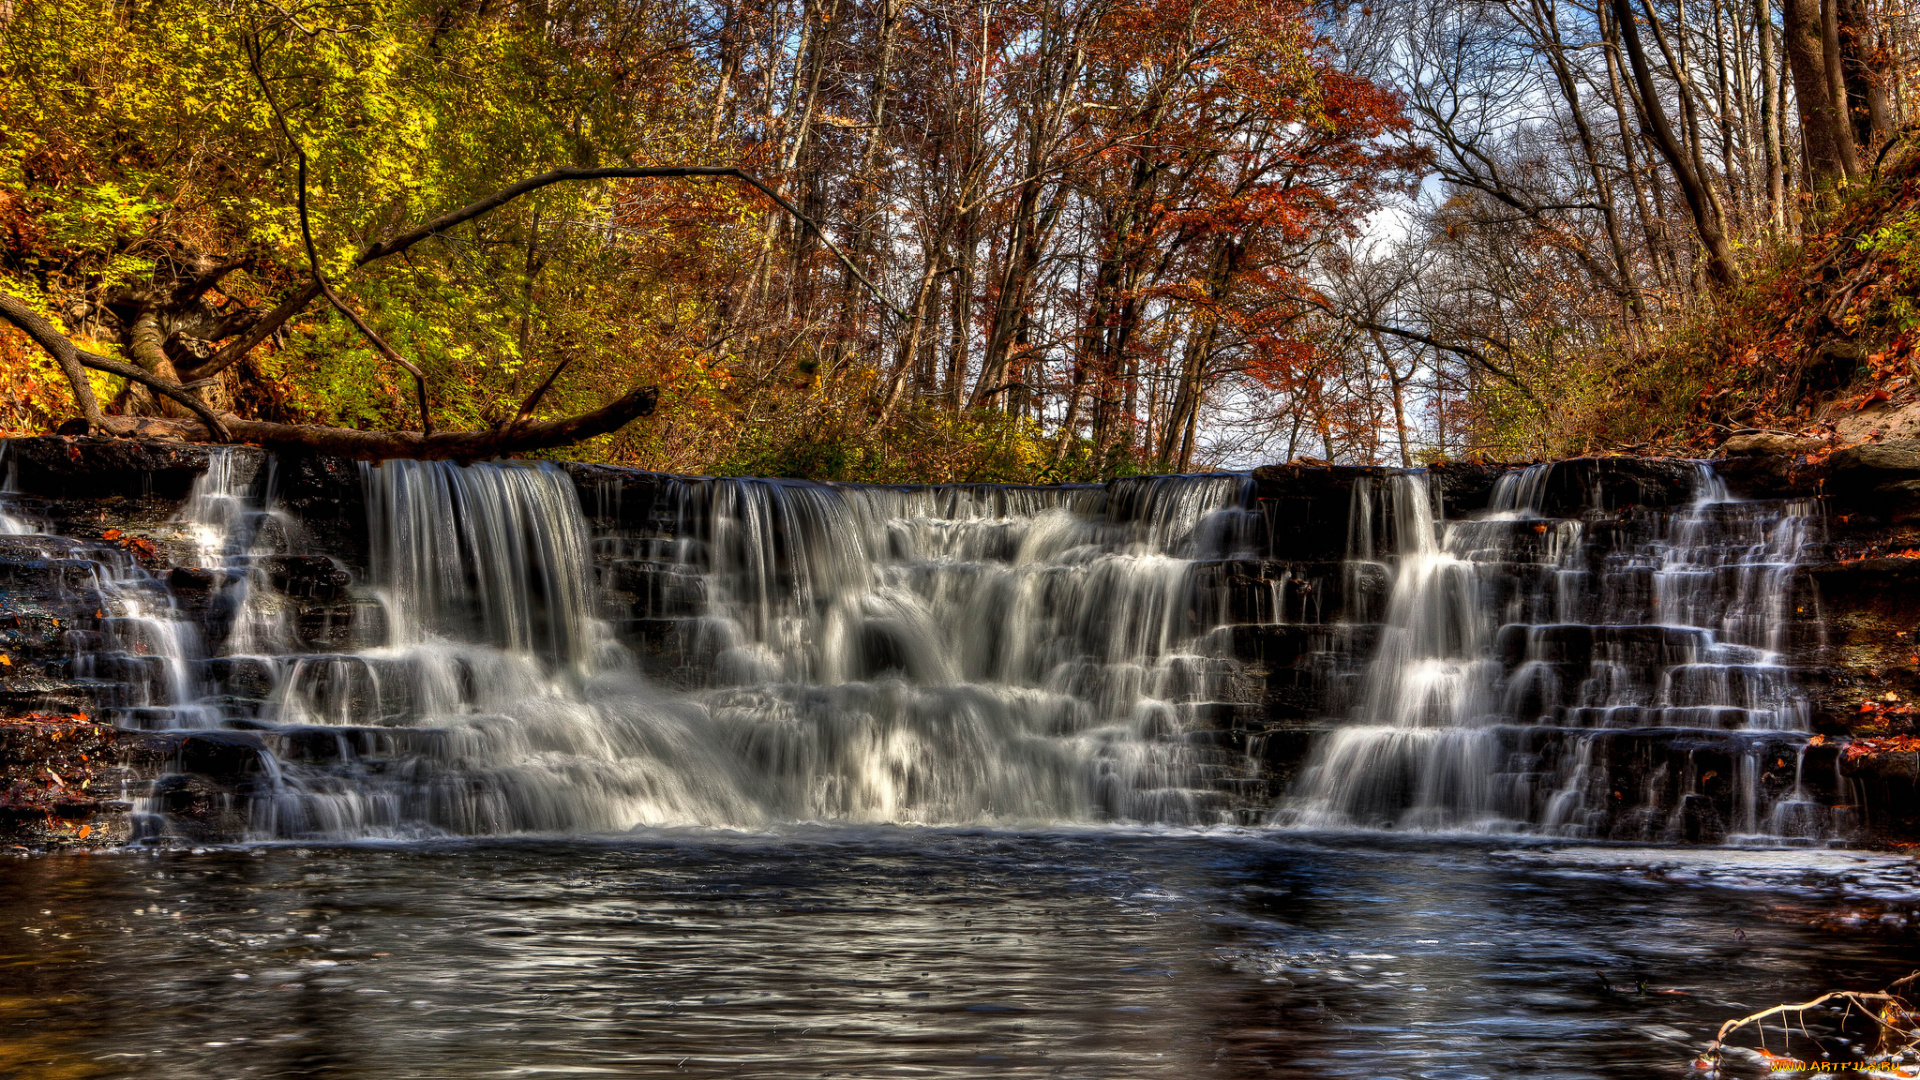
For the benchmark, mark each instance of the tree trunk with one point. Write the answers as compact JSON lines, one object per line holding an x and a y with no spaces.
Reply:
{"x":1769,"y":118}
{"x":1692,"y":184}
{"x":1824,"y":133}
{"x":146,"y":342}
{"x":1863,"y":73}
{"x":1621,"y":107}
{"x":1589,"y":146}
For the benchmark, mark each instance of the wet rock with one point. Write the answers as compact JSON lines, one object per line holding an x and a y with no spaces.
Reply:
{"x":327,"y":496}
{"x":1581,"y":486}
{"x":1465,"y":487}
{"x":97,"y":468}
{"x":191,"y":579}
{"x":1869,"y":621}
{"x":1772,"y":476}
{"x":51,"y":790}
{"x":308,"y":576}
{"x":1308,"y":507}
{"x":649,"y":589}
{"x":615,"y":497}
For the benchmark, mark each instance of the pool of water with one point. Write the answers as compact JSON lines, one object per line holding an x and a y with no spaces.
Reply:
{"x":927,"y":953}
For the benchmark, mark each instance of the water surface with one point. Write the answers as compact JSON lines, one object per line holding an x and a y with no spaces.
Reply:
{"x":893,"y":952}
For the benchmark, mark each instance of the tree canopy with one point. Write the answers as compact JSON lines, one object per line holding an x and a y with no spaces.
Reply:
{"x":1084,"y":222}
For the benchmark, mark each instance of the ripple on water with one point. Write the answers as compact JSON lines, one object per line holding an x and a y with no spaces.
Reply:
{"x":924,"y":952}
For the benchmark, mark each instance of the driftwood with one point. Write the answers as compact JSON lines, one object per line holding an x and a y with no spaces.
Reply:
{"x":1892,"y":1007}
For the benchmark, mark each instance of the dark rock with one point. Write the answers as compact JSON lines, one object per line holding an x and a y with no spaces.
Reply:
{"x":93,"y":468}
{"x":1772,"y":476}
{"x":619,"y":498}
{"x":308,"y":576}
{"x":328,"y":497}
{"x":191,"y":578}
{"x":1465,"y":487}
{"x":1880,"y":481}
{"x":1309,"y":507}
{"x":1580,"y":485}
{"x":1869,"y":631}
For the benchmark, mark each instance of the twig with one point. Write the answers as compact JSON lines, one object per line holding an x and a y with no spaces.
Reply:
{"x":1852,"y":996}
{"x":533,"y":400}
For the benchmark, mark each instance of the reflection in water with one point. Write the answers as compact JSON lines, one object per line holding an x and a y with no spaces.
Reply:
{"x":910,"y":952}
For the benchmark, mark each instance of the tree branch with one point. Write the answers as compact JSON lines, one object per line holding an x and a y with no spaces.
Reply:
{"x":72,"y":359}
{"x":64,"y":352}
{"x":313,"y":257}
{"x":1466,"y":351}
{"x":532,"y":401}
{"x":236,"y":350}
{"x":449,"y":220}
{"x":199,"y":286}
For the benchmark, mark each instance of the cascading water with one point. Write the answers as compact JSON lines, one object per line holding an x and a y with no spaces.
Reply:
{"x":514,"y":648}
{"x":931,"y":655}
{"x":967,"y":653}
{"x":1524,"y":656}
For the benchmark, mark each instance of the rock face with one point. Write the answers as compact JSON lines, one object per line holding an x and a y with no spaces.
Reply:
{"x":1770,"y":443}
{"x":1881,"y":479}
{"x":1297,"y":618}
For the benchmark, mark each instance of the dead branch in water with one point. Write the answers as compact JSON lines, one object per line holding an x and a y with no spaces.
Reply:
{"x":1892,"y":1013}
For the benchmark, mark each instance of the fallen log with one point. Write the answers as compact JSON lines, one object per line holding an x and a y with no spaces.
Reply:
{"x":518,"y":437}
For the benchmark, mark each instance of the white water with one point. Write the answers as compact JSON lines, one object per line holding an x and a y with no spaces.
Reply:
{"x":935,"y":655}
{"x":966,"y":654}
{"x":1504,"y":631}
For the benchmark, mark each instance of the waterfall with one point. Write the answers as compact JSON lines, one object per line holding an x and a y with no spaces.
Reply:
{"x":1522,"y":653}
{"x":522,"y":647}
{"x":941,"y":655}
{"x":968,"y":652}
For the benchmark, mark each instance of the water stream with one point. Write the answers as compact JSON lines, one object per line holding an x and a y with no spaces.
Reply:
{"x":859,"y":951}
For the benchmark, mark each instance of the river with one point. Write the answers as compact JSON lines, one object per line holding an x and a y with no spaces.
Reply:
{"x":881,"y":952}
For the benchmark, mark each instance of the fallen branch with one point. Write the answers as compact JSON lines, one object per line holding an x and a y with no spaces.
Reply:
{"x":380,"y":445}
{"x":1893,"y":1004}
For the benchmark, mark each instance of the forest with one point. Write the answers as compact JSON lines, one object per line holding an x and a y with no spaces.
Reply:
{"x":941,"y":240}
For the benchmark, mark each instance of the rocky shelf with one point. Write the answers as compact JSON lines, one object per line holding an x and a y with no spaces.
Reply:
{"x":1297,"y":620}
